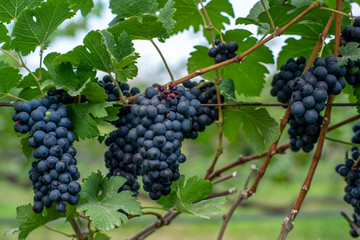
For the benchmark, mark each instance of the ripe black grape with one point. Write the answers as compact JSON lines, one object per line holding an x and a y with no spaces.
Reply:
{"x":352,"y":174}
{"x":161,"y":120}
{"x":309,"y":93}
{"x":222,"y":51}
{"x":52,"y":146}
{"x":119,"y":156}
{"x":205,"y":93}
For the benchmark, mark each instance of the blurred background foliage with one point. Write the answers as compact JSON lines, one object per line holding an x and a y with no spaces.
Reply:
{"x":258,"y":218}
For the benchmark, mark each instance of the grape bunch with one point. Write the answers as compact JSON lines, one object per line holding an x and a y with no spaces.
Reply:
{"x":289,"y":71}
{"x":222,"y":51}
{"x":119,"y":157}
{"x":352,"y":174}
{"x":205,"y":93}
{"x":113,"y":92}
{"x":351,"y":33}
{"x":161,"y":119}
{"x":309,"y":96}
{"x":54,"y":174}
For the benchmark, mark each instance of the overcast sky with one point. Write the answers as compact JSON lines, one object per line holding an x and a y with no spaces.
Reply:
{"x":176,"y":50}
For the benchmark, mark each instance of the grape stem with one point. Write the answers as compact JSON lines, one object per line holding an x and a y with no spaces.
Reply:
{"x":31,"y":73}
{"x":351,"y":223}
{"x":57,"y":231}
{"x":339,"y":12}
{"x":289,"y":221}
{"x":79,"y":234}
{"x":269,"y":16}
{"x":355,"y":164}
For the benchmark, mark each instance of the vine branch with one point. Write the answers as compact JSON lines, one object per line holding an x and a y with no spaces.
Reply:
{"x":79,"y":234}
{"x":57,"y":231}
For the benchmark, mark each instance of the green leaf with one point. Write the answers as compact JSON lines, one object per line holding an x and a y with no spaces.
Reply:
{"x":130,"y":8}
{"x":356,"y":92}
{"x":94,"y":93}
{"x":166,"y":16}
{"x":30,"y":93}
{"x":93,"y":51}
{"x":62,"y":74}
{"x":9,"y":78}
{"x":150,"y":27}
{"x":102,"y":201}
{"x":84,"y":6}
{"x":83,"y":115}
{"x":187,"y":14}
{"x":120,"y":49}
{"x":227,"y":88}
{"x":104,"y":127}
{"x":249,"y":75}
{"x":27,"y":150}
{"x":4,"y":38}
{"x":199,"y":59}
{"x":101,"y":236}
{"x":34,"y":26}
{"x":11,"y":9}
{"x":183,"y":197}
{"x":259,"y":127}
{"x":29,"y":80}
{"x":331,"y":3}
{"x":350,"y":51}
{"x":29,"y":220}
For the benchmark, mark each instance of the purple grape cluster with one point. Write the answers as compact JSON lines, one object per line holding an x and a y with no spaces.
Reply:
{"x":351,"y":33}
{"x":289,"y":71}
{"x":352,"y":175}
{"x":309,"y":94}
{"x":55,"y":173}
{"x":205,"y":93}
{"x":222,"y":51}
{"x":161,"y":118}
{"x":119,"y":156}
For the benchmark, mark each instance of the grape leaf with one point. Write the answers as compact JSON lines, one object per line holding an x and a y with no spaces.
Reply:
{"x":34,"y":26}
{"x":188,"y":197}
{"x":83,"y":117}
{"x":150,"y":27}
{"x":84,"y":6}
{"x":130,"y":8}
{"x":227,"y":88}
{"x":199,"y":59}
{"x":187,"y":14}
{"x":166,"y":16}
{"x":9,"y":78}
{"x":101,"y":236}
{"x":259,"y":127}
{"x":62,"y":74}
{"x":4,"y":38}
{"x":102,"y":201}
{"x":29,"y":220}
{"x":104,"y":127}
{"x":102,"y":52}
{"x":30,"y":81}
{"x":248,"y":76}
{"x":11,"y":9}
{"x":94,"y":93}
{"x":30,"y":93}
{"x":350,"y":51}
{"x":120,"y":49}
